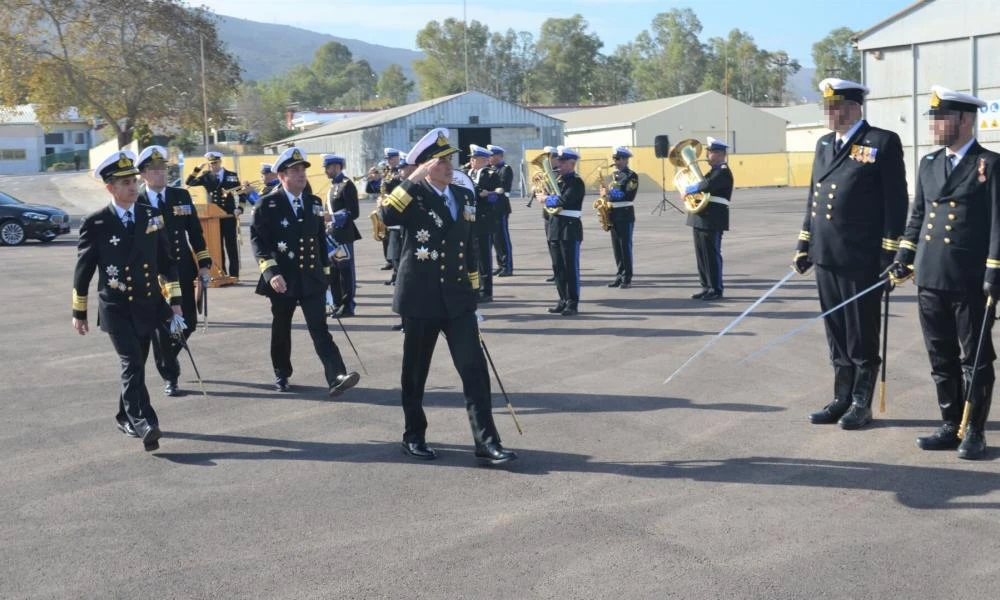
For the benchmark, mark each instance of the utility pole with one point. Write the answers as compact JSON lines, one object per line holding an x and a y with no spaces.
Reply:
{"x":726,"y":90}
{"x":465,"y":36}
{"x":204,"y":96}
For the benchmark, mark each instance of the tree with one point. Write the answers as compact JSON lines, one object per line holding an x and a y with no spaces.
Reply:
{"x":443,"y":70}
{"x":836,"y":56}
{"x":567,"y":54}
{"x":612,"y":82}
{"x":756,"y":76}
{"x":510,"y":59}
{"x":393,"y":87}
{"x":260,"y":110}
{"x":668,"y":59}
{"x":124,"y":60}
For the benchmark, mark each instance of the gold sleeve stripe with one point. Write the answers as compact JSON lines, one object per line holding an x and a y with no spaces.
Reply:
{"x":804,"y":236}
{"x":79,"y":302}
{"x":266,"y":264}
{"x":474,"y":280}
{"x":888,"y":244}
{"x":326,"y":270}
{"x":907,"y":245}
{"x":174,"y":289}
{"x":399,"y":199}
{"x":992,"y":263}
{"x":204,"y":255}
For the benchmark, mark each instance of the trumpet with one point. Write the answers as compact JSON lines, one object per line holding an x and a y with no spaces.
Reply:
{"x":601,"y":205}
{"x":244,"y":187}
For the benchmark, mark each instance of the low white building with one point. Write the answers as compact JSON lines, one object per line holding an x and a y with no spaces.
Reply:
{"x":805,"y":124}
{"x":26,"y":146}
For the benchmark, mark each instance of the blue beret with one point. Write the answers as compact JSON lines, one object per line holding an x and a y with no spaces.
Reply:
{"x":333,"y":159}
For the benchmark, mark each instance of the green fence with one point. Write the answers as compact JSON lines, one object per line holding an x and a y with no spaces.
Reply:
{"x":66,"y":161}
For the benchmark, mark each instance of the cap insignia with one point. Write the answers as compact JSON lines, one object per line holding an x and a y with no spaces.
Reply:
{"x":935,"y":99}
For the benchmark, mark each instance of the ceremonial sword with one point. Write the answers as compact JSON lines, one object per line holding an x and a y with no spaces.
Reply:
{"x":330,"y":313}
{"x":180,"y":338}
{"x":510,"y":407}
{"x":967,"y":412}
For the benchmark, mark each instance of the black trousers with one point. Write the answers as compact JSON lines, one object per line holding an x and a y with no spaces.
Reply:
{"x":853,"y":331}
{"x":385,"y":248}
{"x":485,"y":254}
{"x":314,"y":310}
{"x":133,"y":400}
{"x":502,"y":246}
{"x":231,"y":256}
{"x":166,"y":350}
{"x":621,"y":245}
{"x":708,"y":253}
{"x":462,"y":334}
{"x":566,"y":261}
{"x":343,"y":278}
{"x":951,"y":322}
{"x":552,"y":254}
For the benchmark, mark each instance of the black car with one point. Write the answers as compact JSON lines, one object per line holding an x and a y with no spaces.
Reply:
{"x":19,"y":221}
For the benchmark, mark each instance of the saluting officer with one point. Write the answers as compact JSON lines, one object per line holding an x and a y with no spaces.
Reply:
{"x":436,"y":294}
{"x":501,"y":241}
{"x":342,"y":210}
{"x":566,"y":231}
{"x":855,"y":213}
{"x":122,"y":243}
{"x":621,"y":195}
{"x":184,"y":237}
{"x":485,"y":226}
{"x":220,"y":185}
{"x":709,"y":224}
{"x":952,"y":242}
{"x":288,"y":236}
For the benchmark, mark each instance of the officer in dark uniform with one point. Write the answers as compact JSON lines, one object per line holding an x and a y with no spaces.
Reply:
{"x":342,"y":210}
{"x":485,"y":226}
{"x":621,"y":195}
{"x":184,"y":237}
{"x":436,"y":294}
{"x":122,"y":243}
{"x":220,"y":185}
{"x":952,"y":241}
{"x":855,"y":213}
{"x":501,"y":241}
{"x":270,"y":179}
{"x":288,"y":236}
{"x":390,"y":179}
{"x":709,"y":224}
{"x":566,"y":231}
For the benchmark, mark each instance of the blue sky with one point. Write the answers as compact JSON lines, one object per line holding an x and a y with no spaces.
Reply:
{"x":790,"y":25}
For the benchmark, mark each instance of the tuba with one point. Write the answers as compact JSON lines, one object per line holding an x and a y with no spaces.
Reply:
{"x":601,"y":205}
{"x":544,"y":181}
{"x":684,"y":155}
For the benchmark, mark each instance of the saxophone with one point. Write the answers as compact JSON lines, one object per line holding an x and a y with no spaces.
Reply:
{"x":379,"y":230}
{"x":601,"y":205}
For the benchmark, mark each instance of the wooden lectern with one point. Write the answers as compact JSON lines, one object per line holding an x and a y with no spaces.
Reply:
{"x":210,"y":215}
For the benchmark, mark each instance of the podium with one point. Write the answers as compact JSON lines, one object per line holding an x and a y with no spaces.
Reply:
{"x":210,"y":216}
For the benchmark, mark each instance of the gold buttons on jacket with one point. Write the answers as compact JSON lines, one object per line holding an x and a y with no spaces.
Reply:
{"x":952,"y":204}
{"x":442,"y":280}
{"x":948,"y":228}
{"x":951,"y":216}
{"x":461,"y":243}
{"x":932,"y":215}
{"x":459,"y":267}
{"x":814,"y":214}
{"x":460,"y":255}
{"x":927,"y":237}
{"x":829,"y":207}
{"x":833,"y":186}
{"x":947,"y":240}
{"x":830,"y":196}
{"x":829,"y":216}
{"x":930,"y":226}
{"x":815,"y":204}
{"x":934,"y":204}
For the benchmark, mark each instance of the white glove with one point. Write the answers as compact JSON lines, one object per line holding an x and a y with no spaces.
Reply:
{"x":479,"y":316}
{"x":177,"y":325}
{"x":329,"y":298}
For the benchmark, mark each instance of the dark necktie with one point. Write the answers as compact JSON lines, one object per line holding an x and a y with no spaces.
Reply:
{"x":297,"y":203}
{"x":949,"y":164}
{"x":129,"y":223}
{"x":156,"y":205}
{"x":838,"y":145}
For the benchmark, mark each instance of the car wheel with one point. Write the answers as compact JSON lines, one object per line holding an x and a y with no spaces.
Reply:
{"x":11,"y":233}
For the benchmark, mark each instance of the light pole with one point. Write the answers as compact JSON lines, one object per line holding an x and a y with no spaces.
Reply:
{"x":204,"y":96}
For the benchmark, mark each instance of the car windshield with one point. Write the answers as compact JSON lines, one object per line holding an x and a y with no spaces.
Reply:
{"x":6,"y":200}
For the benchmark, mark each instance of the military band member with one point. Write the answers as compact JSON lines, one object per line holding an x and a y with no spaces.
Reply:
{"x":405,"y":169}
{"x":288,"y":236}
{"x":621,"y":195}
{"x":547,"y":219}
{"x":388,"y":182}
{"x":501,"y":241}
{"x":566,"y":231}
{"x":270,"y":179}
{"x":436,"y":294}
{"x":342,"y":211}
{"x":709,"y":224}
{"x":855,"y":213}
{"x":184,"y":237}
{"x":122,"y":243}
{"x":952,"y":244}
{"x":485,"y":226}
{"x":224,"y":190}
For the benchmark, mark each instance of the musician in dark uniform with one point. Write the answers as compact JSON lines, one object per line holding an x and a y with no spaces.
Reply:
{"x":485,"y":226}
{"x":566,"y":231}
{"x":388,"y":182}
{"x":436,"y":294}
{"x":709,"y":224}
{"x":269,"y":177}
{"x":952,"y":243}
{"x":184,"y":237}
{"x":121,"y":242}
{"x":342,"y":211}
{"x":501,"y":241}
{"x":621,"y":195}
{"x":288,"y":235}
{"x":855,"y":213}
{"x":547,"y":219}
{"x":224,"y":190}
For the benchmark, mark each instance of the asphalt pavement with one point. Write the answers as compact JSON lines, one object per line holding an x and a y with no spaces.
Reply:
{"x":714,"y":486}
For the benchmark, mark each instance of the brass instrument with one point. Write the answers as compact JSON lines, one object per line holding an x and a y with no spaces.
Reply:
{"x":244,"y":187}
{"x":544,"y":182}
{"x":684,"y":155}
{"x":601,"y":205}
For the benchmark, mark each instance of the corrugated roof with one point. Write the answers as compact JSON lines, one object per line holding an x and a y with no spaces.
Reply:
{"x":23,"y":114}
{"x":891,"y":19}
{"x":365,"y":121}
{"x":801,"y":114}
{"x":624,"y":115}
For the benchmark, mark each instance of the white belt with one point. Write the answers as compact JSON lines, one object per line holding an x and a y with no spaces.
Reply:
{"x":718,"y":200}
{"x":394,"y":227}
{"x":573,"y":214}
{"x":622,"y":204}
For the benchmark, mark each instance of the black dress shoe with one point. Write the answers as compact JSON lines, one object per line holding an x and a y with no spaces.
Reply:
{"x":615,"y":283}
{"x":945,"y":438}
{"x":550,"y":279}
{"x":569,"y":311}
{"x":281,"y":384}
{"x":386,"y":267}
{"x":397,"y":327}
{"x":505,"y":274}
{"x":170,"y":388}
{"x":558,"y":308}
{"x":126,"y":428}
{"x":484,"y":299}
{"x":699,"y":295}
{"x":390,"y":282}
{"x":830,"y":413}
{"x":625,"y":285}
{"x":151,"y":439}
{"x":498,"y":271}
{"x":712,"y":295}
{"x":494,"y":454}
{"x":973,"y":446}
{"x":343,"y":383}
{"x":343,"y":312}
{"x":419,"y":450}
{"x":856,"y":417}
